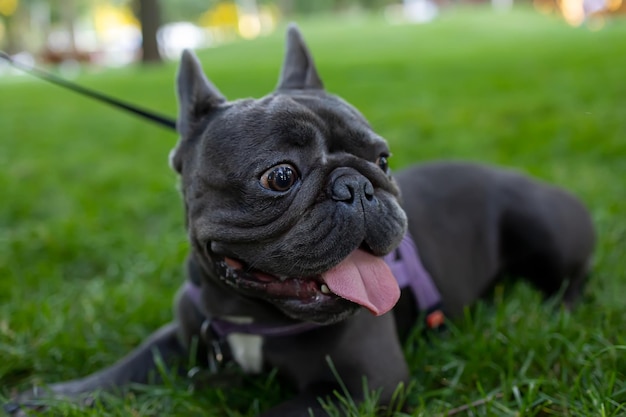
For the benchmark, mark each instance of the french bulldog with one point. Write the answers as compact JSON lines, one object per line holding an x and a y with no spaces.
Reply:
{"x":290,"y":207}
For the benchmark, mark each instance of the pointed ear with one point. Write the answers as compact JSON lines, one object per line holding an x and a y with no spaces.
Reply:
{"x":298,"y":72}
{"x":197,"y":96}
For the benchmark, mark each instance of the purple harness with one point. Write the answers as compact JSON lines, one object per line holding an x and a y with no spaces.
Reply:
{"x":405,"y":265}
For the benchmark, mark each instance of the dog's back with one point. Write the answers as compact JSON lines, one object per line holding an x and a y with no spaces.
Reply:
{"x":474,"y":223}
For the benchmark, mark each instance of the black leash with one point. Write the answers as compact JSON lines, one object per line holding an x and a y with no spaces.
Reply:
{"x":46,"y":76}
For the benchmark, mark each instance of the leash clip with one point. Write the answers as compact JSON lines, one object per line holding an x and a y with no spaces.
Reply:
{"x":216,"y":347}
{"x":215,"y":356}
{"x":218,"y":372}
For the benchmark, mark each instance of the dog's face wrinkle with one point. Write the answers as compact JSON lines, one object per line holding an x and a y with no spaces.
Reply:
{"x":294,"y":124}
{"x":315,"y":239}
{"x":279,"y":212}
{"x":280,"y":247}
{"x":356,"y":137}
{"x":216,"y":203}
{"x":339,"y":120}
{"x":274,"y":222}
{"x":300,"y":224}
{"x":309,"y":243}
{"x":304,"y":119}
{"x":283,"y":257}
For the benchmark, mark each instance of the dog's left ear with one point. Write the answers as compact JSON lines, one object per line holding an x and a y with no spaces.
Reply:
{"x":298,"y":72}
{"x":197,"y":98}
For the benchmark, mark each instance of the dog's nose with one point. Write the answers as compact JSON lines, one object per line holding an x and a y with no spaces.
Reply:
{"x":349,"y":186}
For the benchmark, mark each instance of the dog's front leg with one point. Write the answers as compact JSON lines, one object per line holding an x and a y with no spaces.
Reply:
{"x":305,"y":404}
{"x":138,"y":367}
{"x":362,"y":346}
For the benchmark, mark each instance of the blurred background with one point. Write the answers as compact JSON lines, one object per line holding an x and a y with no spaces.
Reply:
{"x":119,"y":32}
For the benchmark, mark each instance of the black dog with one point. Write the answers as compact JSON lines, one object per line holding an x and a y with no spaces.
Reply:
{"x":295,"y":224}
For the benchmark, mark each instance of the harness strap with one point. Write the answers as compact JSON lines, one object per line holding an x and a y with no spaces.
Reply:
{"x":224,"y":327}
{"x":406,"y":266}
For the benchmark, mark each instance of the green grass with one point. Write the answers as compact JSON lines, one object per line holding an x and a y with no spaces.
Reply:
{"x":91,"y":225}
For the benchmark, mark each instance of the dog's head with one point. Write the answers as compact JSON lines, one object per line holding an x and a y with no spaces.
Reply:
{"x":288,"y":198}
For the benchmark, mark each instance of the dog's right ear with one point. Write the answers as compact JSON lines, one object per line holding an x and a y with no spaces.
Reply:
{"x":197,"y":97}
{"x":298,"y":71}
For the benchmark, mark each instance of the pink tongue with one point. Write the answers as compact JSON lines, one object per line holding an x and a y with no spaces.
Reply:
{"x":366,"y":280}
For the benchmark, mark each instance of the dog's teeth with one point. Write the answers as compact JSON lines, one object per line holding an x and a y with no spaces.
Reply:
{"x":325,"y":289}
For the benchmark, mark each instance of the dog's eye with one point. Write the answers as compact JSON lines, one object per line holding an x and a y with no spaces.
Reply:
{"x":382,"y":163}
{"x":279,"y":178}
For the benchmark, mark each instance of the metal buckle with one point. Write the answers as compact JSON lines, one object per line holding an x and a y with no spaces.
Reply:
{"x":217,"y":373}
{"x":215,"y":353}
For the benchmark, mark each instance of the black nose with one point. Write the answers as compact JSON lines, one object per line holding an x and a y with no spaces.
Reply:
{"x":349,"y":186}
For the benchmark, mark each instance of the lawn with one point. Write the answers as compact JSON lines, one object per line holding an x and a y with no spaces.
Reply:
{"x":92,"y":237}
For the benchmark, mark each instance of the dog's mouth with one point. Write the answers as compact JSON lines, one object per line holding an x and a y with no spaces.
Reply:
{"x":361,"y":278}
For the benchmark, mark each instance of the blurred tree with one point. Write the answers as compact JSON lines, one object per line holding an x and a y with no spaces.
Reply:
{"x":149,"y":14}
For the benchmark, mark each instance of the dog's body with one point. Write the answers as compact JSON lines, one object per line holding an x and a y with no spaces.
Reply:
{"x":290,"y":206}
{"x":516,"y":227}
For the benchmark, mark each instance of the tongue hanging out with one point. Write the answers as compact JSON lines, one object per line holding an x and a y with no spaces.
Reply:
{"x":366,"y":280}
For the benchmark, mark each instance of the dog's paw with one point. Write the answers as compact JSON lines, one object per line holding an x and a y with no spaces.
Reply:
{"x":36,"y":401}
{"x":23,"y":408}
